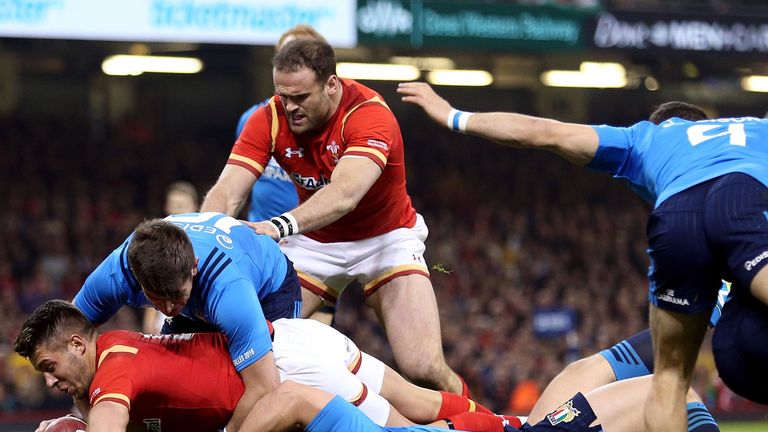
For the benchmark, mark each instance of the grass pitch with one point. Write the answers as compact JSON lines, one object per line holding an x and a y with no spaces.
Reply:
{"x":743,"y":427}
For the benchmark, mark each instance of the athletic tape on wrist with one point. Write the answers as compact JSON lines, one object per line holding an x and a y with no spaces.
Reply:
{"x":457,"y":120}
{"x":286,"y":224}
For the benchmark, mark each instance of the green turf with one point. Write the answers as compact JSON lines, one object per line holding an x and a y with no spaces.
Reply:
{"x":743,"y":427}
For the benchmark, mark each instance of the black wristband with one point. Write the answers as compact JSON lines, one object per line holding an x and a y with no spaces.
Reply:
{"x":279,"y":226}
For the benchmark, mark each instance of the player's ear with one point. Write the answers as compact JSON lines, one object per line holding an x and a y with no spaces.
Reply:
{"x":332,"y":85}
{"x":77,"y":344}
{"x":194,"y":269}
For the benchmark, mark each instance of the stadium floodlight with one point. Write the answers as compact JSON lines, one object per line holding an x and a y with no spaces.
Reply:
{"x":460,"y":77}
{"x":755,"y":83}
{"x":377,"y":71}
{"x":133,"y":65}
{"x":425,"y":63}
{"x":589,"y":75}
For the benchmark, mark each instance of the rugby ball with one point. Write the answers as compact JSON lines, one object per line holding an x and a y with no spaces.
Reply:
{"x":66,"y":424}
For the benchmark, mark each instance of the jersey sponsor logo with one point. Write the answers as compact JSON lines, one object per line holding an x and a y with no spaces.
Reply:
{"x":565,"y":414}
{"x":669,"y":297}
{"x":225,"y":241}
{"x":749,"y":265}
{"x":95,"y":393}
{"x":244,"y":356}
{"x":310,"y":183}
{"x":169,"y":337}
{"x":276,"y":173}
{"x":153,"y":424}
{"x":201,"y":222}
{"x":377,"y":143}
{"x":289,"y":153}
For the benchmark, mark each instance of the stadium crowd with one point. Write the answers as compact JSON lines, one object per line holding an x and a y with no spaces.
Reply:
{"x":509,"y":237}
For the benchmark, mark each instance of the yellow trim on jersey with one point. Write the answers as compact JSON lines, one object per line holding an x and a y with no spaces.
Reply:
{"x":275,"y":122}
{"x":375,"y":99}
{"x":368,"y":150}
{"x":472,"y":405}
{"x":120,"y":396}
{"x":116,"y":349}
{"x":397,"y":269}
{"x":316,"y":282}
{"x":257,"y":166}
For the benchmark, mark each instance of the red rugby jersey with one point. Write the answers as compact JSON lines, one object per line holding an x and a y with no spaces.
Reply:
{"x":169,"y":383}
{"x":362,"y":126}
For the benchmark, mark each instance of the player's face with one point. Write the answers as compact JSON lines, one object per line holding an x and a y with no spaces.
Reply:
{"x":179,"y":202}
{"x":307,"y":101}
{"x":65,"y":369}
{"x":171,"y":305}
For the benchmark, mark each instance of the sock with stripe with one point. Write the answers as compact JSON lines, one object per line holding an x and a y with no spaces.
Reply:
{"x":482,"y":422}
{"x":455,"y":404}
{"x":699,"y":418}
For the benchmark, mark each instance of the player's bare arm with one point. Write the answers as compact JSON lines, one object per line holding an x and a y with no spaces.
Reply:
{"x":230,"y":192}
{"x":259,"y":379}
{"x":350,"y":181}
{"x":575,"y":142}
{"x":108,"y":416}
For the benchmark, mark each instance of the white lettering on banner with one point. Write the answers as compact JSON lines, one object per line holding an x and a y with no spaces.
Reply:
{"x":681,"y":34}
{"x":384,"y":18}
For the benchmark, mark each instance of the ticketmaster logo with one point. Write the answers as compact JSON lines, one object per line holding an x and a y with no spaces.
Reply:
{"x":749,"y":265}
{"x":27,"y":11}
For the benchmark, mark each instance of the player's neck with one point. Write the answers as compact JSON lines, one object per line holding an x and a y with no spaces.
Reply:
{"x":336,"y":101}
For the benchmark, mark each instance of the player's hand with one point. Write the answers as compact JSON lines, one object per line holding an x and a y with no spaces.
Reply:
{"x":264,"y":228}
{"x":421,"y":94}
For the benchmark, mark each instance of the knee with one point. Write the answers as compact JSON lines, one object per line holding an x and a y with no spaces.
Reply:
{"x":592,"y":366}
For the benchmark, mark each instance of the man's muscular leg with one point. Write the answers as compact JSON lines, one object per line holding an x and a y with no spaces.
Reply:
{"x":407,"y":308}
{"x":676,"y":341}
{"x":580,"y":376}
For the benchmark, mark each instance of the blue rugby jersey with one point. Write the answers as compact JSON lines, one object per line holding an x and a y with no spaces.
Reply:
{"x":237,"y":268}
{"x":661,"y":160}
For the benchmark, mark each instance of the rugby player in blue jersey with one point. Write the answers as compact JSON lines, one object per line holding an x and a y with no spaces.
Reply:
{"x":209,"y":272}
{"x":708,"y":182}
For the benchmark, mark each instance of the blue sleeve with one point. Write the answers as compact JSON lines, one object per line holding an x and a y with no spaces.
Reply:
{"x":101,"y":297}
{"x":236,"y":311}
{"x":614,"y":149}
{"x":244,"y":119}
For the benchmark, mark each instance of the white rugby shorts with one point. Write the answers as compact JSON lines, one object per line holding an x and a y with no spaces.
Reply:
{"x":312,"y":353}
{"x":327,"y":268}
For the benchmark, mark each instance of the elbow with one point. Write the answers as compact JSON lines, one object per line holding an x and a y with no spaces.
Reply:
{"x":346,"y":203}
{"x":345,"y":206}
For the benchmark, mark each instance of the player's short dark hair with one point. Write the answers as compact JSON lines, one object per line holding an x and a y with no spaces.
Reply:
{"x":314,"y":54}
{"x":683,"y":110}
{"x":46,"y":325}
{"x":161,"y":257}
